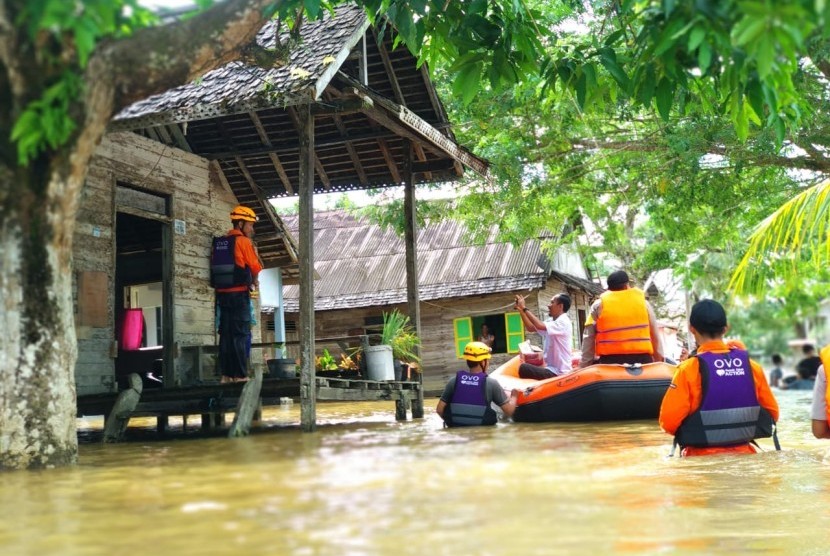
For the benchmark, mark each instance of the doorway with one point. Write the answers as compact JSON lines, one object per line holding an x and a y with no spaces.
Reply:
{"x":143,"y":307}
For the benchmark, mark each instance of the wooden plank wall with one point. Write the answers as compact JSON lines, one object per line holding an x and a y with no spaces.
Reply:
{"x":197,"y":198}
{"x":438,"y":353}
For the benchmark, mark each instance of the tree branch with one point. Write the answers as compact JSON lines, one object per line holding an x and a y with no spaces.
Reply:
{"x":158,"y":58}
{"x":817,"y":164}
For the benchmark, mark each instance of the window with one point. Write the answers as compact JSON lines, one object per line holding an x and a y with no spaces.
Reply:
{"x":507,"y":329}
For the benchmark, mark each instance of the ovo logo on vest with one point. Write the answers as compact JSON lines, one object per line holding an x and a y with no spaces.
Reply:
{"x":470,"y":380}
{"x":729,"y":367}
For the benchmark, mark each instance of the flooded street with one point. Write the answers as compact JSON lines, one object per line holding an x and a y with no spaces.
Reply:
{"x":374,"y":486}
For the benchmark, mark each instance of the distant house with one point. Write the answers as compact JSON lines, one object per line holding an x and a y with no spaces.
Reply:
{"x":362,"y":274}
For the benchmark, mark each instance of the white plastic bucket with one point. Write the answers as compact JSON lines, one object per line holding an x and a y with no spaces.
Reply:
{"x":379,"y":363}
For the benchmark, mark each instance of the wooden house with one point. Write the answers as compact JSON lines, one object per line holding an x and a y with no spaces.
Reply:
{"x":461,"y":287}
{"x":342,"y":111}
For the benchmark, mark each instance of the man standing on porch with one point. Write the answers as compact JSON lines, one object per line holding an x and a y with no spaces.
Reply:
{"x":557,"y":334}
{"x":234,"y":273}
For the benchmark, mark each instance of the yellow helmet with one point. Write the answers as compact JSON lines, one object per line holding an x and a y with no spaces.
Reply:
{"x":476,"y":351}
{"x":243,"y":213}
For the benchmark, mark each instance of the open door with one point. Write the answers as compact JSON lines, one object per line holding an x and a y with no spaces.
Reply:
{"x":143,"y":298}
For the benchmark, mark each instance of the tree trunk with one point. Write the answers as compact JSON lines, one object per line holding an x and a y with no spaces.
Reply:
{"x":39,"y":202}
{"x":37,"y":343}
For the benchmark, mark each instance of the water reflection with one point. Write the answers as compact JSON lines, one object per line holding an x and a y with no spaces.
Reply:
{"x":364,"y":484}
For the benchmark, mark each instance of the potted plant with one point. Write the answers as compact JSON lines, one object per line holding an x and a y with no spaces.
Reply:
{"x":280,"y":367}
{"x":326,"y":364}
{"x":400,"y":335}
{"x":349,"y":364}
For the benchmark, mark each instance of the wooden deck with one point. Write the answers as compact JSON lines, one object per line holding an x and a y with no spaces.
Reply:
{"x":212,"y":401}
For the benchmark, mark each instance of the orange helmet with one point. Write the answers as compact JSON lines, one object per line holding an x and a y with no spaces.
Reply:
{"x":244,"y":213}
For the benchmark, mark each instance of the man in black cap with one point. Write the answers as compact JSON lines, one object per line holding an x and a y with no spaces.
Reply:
{"x":621,"y":326}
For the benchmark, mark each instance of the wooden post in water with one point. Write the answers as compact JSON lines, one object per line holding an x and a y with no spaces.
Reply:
{"x":246,"y":406}
{"x":400,"y":405}
{"x":411,"y":240}
{"x":308,"y":409}
{"x":125,"y":403}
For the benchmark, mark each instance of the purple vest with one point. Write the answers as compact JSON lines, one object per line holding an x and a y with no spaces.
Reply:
{"x":223,"y":270}
{"x":729,"y":380}
{"x":729,"y":412}
{"x":469,"y":405}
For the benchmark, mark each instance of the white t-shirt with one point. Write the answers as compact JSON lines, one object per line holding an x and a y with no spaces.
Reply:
{"x":819,"y":408}
{"x":557,"y":344}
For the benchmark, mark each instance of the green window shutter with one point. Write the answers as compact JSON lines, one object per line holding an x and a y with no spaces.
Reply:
{"x":463,"y":329}
{"x":515,"y":330}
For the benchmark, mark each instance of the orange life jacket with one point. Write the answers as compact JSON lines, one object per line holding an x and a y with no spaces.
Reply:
{"x":622,"y":326}
{"x":825,"y":360}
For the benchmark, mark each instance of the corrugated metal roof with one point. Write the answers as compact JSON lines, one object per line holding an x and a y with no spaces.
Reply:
{"x":362,"y":265}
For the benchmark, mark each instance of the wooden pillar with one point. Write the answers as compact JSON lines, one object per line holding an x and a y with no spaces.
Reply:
{"x":411,"y":240}
{"x":116,"y":422}
{"x":247,"y":406}
{"x":168,"y":320}
{"x":400,"y":405}
{"x":308,"y":409}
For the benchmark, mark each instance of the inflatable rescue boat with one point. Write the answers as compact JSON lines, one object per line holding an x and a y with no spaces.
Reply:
{"x":595,"y":393}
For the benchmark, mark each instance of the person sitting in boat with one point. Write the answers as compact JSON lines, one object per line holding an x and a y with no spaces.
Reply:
{"x":719,"y":400}
{"x":556,"y":335}
{"x":819,"y":412}
{"x":467,"y":396}
{"x":621,"y":327}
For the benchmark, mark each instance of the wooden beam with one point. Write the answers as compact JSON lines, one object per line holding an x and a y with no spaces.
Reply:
{"x":411,"y":241}
{"x":293,"y":114}
{"x":291,"y":147}
{"x":422,"y":157}
{"x":390,"y":160}
{"x":151,"y":133}
{"x":275,"y":160}
{"x":442,"y":165}
{"x":433,"y":94}
{"x":223,"y":179}
{"x":178,"y":136}
{"x":398,"y":92}
{"x":308,"y":391}
{"x":247,"y":406}
{"x":358,"y":166}
{"x":340,"y":107}
{"x":390,"y":69}
{"x":165,"y":135}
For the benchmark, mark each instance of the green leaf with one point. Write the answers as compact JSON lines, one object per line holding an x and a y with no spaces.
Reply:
{"x":696,"y":37}
{"x":765,"y":56}
{"x":669,"y":37}
{"x":467,"y":81}
{"x":646,"y":89}
{"x":748,"y":29}
{"x":704,"y":57}
{"x":608,"y":58}
{"x":580,"y":87}
{"x":665,"y":97}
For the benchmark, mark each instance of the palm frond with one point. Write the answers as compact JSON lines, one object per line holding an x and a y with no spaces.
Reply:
{"x":797,"y":230}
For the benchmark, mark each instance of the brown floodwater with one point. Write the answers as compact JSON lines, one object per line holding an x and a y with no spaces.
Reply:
{"x":365,"y":484}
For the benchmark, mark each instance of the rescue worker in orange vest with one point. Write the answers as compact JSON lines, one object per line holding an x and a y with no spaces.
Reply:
{"x":621,"y":327}
{"x":719,"y":400}
{"x":821,"y":398}
{"x":234,"y":273}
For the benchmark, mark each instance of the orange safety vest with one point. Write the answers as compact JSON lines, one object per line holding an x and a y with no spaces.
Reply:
{"x":622,"y":326}
{"x":825,"y":360}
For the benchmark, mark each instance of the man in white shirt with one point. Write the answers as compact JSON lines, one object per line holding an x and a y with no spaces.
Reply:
{"x":556,"y":335}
